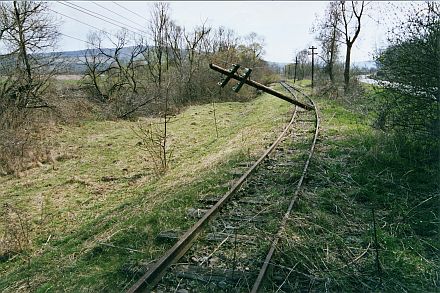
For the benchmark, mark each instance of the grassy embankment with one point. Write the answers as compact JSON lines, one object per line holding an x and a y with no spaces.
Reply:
{"x":368,"y":219}
{"x":91,"y":223}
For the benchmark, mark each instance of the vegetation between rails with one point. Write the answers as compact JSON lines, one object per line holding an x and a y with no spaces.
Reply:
{"x":368,"y":216}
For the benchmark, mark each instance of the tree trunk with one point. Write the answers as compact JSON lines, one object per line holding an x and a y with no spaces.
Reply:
{"x":332,"y":56}
{"x":330,"y":69}
{"x":347,"y":67}
{"x":22,"y":42}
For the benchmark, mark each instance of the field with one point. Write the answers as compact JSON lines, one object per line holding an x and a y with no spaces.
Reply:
{"x":86,"y":224}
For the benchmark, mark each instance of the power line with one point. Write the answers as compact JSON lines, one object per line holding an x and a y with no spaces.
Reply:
{"x":100,"y":16}
{"x":78,"y":39}
{"x":68,"y":5}
{"x":82,"y":22}
{"x":103,"y":7}
{"x":88,"y":12}
{"x":129,"y":10}
{"x":123,"y":24}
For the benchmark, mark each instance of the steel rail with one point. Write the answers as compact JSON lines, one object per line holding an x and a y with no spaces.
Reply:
{"x":155,"y":273}
{"x":258,"y":282}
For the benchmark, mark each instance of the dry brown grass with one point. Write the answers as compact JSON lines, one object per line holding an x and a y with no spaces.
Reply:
{"x":103,"y":177}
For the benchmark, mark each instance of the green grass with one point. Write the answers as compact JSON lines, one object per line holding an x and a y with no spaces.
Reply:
{"x":357,"y":170}
{"x":76,"y":211}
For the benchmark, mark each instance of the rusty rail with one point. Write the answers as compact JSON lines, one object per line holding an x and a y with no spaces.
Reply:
{"x":258,"y":282}
{"x":155,"y":273}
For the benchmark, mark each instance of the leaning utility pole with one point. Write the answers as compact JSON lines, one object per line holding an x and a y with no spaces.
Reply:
{"x":244,"y":79}
{"x":313,"y":60}
{"x":296,"y":64}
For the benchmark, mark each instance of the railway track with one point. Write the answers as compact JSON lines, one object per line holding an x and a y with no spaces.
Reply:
{"x":230,"y":247}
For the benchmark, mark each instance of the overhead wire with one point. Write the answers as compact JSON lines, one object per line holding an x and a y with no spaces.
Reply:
{"x":86,"y":42}
{"x":82,"y":22}
{"x":128,"y":10}
{"x":128,"y":27}
{"x":103,"y":18}
{"x":78,"y":39}
{"x":103,"y":7}
{"x":114,"y":20}
{"x":90,"y":43}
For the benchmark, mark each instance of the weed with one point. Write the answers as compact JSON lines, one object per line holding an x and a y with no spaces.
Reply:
{"x":102,"y":210}
{"x":333,"y":243}
{"x":154,"y":143}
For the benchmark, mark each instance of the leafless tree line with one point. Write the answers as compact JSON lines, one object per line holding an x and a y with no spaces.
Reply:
{"x":167,"y":68}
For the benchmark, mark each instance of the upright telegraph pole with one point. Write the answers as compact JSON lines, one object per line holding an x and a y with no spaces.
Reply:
{"x":313,"y":60}
{"x":296,"y":64}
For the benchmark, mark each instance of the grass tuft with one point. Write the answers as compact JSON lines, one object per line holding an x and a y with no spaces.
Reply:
{"x":94,"y":220}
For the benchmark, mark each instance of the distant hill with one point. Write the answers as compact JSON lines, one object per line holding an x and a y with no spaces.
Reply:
{"x":125,"y":52}
{"x":71,"y":54}
{"x":73,"y":61}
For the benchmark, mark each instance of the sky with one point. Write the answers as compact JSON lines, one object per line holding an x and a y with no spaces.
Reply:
{"x":284,"y":25}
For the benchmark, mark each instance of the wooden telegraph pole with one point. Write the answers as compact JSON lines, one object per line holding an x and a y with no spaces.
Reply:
{"x":313,"y":61}
{"x":296,"y":64}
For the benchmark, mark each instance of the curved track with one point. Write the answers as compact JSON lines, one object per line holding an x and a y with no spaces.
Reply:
{"x":224,"y":250}
{"x":268,"y":258}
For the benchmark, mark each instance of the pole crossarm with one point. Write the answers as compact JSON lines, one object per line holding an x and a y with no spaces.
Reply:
{"x":259,"y":86}
{"x":229,"y":75}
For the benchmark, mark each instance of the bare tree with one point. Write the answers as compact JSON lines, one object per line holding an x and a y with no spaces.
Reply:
{"x":95,"y":64}
{"x":351,"y":15}
{"x":5,"y":20}
{"x":158,"y":58}
{"x":157,"y":55}
{"x":224,"y":46}
{"x":328,"y":34}
{"x":303,"y":61}
{"x":27,"y":30}
{"x":252,"y":49}
{"x":194,"y":56}
{"x":115,"y":75}
{"x":175,"y":43}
